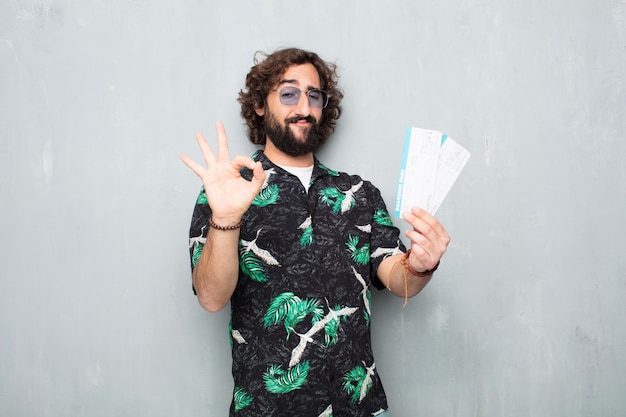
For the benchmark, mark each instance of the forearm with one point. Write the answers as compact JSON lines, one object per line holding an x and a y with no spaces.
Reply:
{"x":398,"y":280}
{"x":216,"y":273}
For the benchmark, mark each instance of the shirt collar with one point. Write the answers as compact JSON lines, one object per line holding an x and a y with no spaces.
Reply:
{"x":319,"y":169}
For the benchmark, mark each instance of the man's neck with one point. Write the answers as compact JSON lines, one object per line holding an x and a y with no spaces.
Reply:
{"x":278,"y":157}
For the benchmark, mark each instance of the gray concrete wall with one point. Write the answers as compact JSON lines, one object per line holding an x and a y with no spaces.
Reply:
{"x":98,"y":99}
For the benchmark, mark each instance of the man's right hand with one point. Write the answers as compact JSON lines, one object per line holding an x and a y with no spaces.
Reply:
{"x":229,"y":194}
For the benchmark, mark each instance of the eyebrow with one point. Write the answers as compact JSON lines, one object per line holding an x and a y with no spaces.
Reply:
{"x":281,"y":82}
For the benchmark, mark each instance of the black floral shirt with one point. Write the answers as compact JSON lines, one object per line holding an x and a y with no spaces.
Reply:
{"x":300,"y":314}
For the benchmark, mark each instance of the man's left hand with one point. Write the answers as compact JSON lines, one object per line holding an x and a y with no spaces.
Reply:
{"x":429,"y":239}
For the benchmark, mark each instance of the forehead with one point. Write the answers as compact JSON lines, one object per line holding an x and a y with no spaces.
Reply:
{"x":304,"y":75}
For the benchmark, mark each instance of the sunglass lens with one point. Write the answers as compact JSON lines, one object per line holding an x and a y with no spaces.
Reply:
{"x":315,"y":98}
{"x":289,"y":95}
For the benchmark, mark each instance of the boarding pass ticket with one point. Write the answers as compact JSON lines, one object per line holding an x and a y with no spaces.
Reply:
{"x":431,"y":163}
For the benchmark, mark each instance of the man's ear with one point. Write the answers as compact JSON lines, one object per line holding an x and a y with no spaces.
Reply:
{"x":260,"y":111}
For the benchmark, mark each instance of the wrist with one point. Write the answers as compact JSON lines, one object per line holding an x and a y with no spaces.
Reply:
{"x":221,"y":224}
{"x":410,"y":270}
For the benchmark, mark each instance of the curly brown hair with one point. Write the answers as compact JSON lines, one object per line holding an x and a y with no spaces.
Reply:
{"x":266,"y":73}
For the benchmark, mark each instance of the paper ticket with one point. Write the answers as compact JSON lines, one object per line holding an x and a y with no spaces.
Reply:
{"x":431,"y":163}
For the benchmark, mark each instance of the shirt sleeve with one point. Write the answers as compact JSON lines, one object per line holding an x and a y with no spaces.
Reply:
{"x":198,"y":229}
{"x":385,"y":240}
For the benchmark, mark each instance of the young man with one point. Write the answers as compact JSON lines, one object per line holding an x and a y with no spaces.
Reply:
{"x":295,"y":248}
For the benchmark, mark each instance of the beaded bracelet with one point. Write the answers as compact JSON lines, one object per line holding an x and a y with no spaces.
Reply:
{"x":218,"y":227}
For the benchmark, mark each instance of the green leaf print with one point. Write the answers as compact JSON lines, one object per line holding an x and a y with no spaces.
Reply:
{"x":202,"y":199}
{"x":266,"y":196}
{"x":357,"y":383}
{"x":251,"y":266}
{"x":331,"y":329}
{"x":366,"y":314}
{"x":328,"y":170}
{"x":197,"y":251}
{"x":359,"y":255}
{"x":382,"y":217}
{"x":241,"y":399}
{"x":279,"y":381}
{"x":307,"y":237}
{"x":332,"y":197}
{"x":340,"y":201}
{"x":291,"y":310}
{"x":230,"y":330}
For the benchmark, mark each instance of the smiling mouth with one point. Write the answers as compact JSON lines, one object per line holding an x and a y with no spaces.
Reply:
{"x":302,"y":120}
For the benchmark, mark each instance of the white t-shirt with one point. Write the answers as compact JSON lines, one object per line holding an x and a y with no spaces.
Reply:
{"x":303,"y":174}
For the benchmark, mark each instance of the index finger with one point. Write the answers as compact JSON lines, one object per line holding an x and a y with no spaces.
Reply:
{"x":423,"y":222}
{"x":223,"y":154}
{"x":207,"y":152}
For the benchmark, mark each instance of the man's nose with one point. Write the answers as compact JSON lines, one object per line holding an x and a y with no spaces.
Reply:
{"x":303,"y":108}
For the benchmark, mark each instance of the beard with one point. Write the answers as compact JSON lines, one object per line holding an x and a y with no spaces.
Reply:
{"x":283,"y":138}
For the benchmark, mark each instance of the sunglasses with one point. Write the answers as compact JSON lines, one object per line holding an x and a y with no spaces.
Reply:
{"x":290,"y":96}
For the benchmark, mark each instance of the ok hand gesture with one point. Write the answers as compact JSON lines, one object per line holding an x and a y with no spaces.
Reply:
{"x":229,"y":194}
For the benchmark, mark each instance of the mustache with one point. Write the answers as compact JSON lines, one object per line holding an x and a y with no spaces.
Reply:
{"x":309,"y":119}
